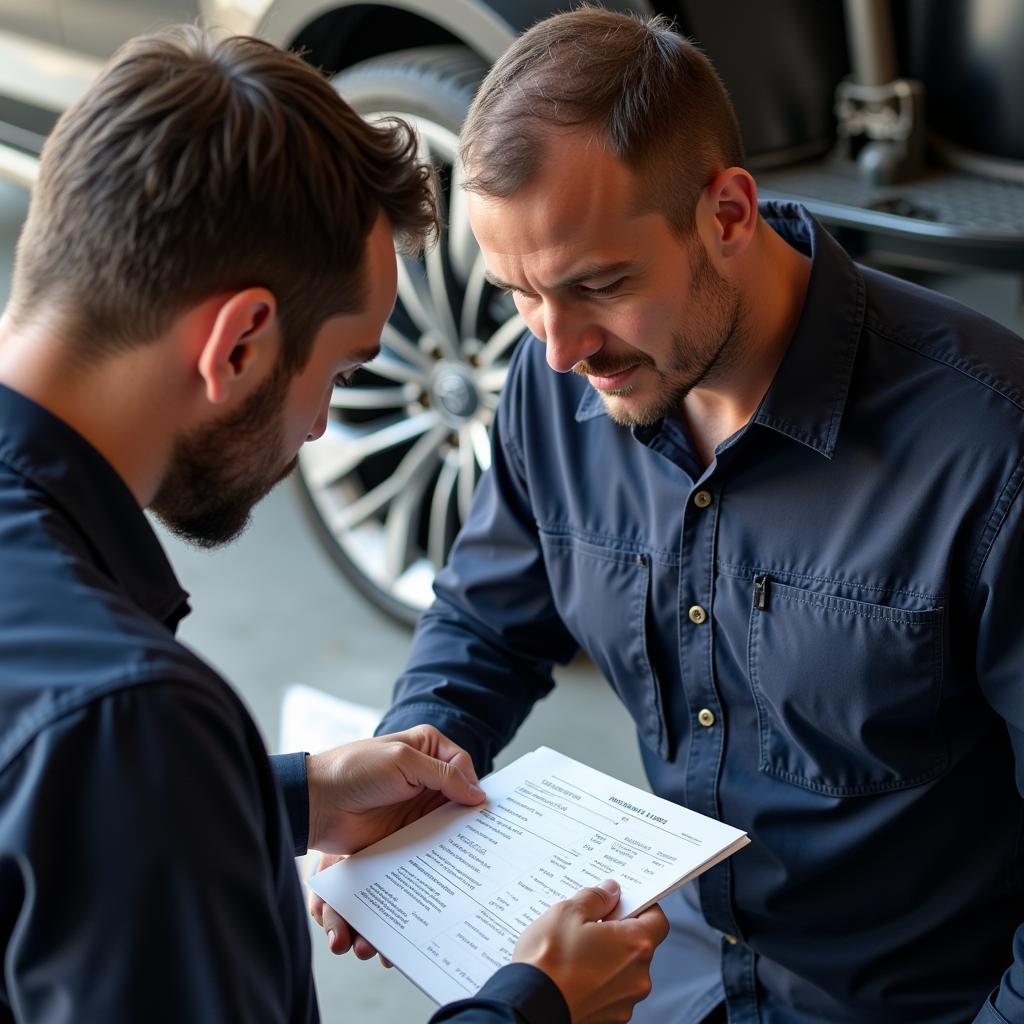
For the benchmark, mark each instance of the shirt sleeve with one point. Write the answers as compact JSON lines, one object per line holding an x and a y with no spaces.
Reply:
{"x":1000,"y":667}
{"x":517,"y":994}
{"x":290,"y":772}
{"x":139,"y":878}
{"x":484,"y":651}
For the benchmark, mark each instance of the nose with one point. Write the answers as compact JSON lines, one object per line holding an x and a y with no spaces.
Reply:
{"x":567,"y":338}
{"x":320,"y":423}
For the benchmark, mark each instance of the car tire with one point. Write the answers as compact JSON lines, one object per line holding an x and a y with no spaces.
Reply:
{"x":389,"y":483}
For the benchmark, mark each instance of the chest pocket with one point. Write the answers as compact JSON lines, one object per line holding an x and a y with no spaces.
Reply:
{"x":846,"y":691}
{"x":602,"y":595}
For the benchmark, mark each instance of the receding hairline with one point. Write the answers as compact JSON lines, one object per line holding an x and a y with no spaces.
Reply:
{"x":650,"y":94}
{"x":642,"y":202}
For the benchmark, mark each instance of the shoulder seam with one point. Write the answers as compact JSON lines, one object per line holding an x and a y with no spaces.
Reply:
{"x":75,"y":700}
{"x":996,"y":387}
{"x":1010,"y":493}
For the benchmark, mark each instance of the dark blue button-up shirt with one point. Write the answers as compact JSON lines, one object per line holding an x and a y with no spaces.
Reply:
{"x":852,"y":696}
{"x":146,"y":869}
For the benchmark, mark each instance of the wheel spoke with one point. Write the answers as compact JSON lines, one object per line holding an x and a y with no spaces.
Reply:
{"x":475,"y":286}
{"x":411,"y":297}
{"x":372,"y":398}
{"x":399,"y":521}
{"x":462,"y":247}
{"x":481,"y":442}
{"x":376,"y":498}
{"x":506,"y":335}
{"x":442,"y":324}
{"x":446,"y":331}
{"x":493,"y":379}
{"x":467,"y":473}
{"x":396,"y":342}
{"x":437,"y":532}
{"x":345,"y":446}
{"x":390,"y":368}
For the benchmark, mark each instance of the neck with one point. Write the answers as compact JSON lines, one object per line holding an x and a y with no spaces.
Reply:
{"x":122,"y":405}
{"x":772,"y":288}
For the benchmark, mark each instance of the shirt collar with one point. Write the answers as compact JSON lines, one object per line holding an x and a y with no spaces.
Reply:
{"x":808,"y":394}
{"x":55,"y":458}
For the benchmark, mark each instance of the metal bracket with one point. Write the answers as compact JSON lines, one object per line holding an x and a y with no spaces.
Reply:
{"x":881,"y":128}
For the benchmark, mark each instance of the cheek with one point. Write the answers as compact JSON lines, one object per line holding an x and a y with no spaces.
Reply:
{"x":642,"y":325}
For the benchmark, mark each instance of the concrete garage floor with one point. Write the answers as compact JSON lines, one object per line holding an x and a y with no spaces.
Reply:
{"x":271,"y":610}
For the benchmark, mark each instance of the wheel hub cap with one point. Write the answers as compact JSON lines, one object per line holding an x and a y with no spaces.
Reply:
{"x":455,"y":394}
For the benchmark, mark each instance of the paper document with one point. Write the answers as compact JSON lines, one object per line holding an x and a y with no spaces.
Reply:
{"x":445,"y":898}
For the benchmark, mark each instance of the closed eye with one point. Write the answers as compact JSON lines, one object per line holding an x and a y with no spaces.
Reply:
{"x":607,"y":289}
{"x":518,"y":292}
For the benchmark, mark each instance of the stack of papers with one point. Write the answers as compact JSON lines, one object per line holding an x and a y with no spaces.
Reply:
{"x":445,"y":898}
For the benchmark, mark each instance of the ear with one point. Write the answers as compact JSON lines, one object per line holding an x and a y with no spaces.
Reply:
{"x":729,"y":203}
{"x":242,"y":344}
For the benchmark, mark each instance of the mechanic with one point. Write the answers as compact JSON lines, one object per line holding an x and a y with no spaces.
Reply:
{"x":209,"y":248}
{"x":775,"y":496}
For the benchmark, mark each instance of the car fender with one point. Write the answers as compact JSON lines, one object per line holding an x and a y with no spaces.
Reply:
{"x":486,"y":28}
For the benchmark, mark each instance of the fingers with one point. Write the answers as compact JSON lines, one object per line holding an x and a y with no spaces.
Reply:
{"x":655,"y":923}
{"x":596,"y":902}
{"x":316,"y":908}
{"x":601,"y":966}
{"x":434,"y":742}
{"x":362,"y":949}
{"x":340,"y":937}
{"x":362,"y":791}
{"x":424,"y":770}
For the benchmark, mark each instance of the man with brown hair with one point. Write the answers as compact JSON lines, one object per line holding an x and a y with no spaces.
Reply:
{"x":209,"y":250}
{"x":778,"y":499}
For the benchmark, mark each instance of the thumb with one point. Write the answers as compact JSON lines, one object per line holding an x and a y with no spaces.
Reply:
{"x":597,"y":901}
{"x":444,"y":776}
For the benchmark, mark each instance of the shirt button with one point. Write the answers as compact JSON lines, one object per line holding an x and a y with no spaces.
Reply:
{"x":731,"y":939}
{"x":702,"y":499}
{"x":706,"y":717}
{"x":697,"y":615}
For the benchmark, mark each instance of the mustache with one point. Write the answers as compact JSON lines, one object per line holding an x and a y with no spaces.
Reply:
{"x":597,"y":366}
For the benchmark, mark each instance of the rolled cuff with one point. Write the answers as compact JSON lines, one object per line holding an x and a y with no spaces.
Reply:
{"x":290,"y":772}
{"x":518,"y":992}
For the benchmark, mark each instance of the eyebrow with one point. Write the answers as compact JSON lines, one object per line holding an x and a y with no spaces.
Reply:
{"x":577,"y":277}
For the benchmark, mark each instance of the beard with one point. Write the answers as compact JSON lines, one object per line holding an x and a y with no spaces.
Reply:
{"x":218,"y":473}
{"x":701,"y":353}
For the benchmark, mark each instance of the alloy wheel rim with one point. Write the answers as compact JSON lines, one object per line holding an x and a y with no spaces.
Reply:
{"x":394,"y":473}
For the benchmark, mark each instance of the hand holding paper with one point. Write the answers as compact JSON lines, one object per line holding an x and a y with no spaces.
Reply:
{"x":447,"y":897}
{"x":365,"y":790}
{"x":601,"y":967}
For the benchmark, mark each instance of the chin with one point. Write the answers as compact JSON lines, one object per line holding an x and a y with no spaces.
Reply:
{"x":627,"y":411}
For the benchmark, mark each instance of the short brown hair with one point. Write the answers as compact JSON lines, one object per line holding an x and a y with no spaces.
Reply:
{"x":194,"y":166}
{"x":652,"y":96}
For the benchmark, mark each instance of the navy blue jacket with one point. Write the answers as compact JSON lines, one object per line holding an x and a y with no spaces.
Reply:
{"x":146,"y":859}
{"x":819,"y":636}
